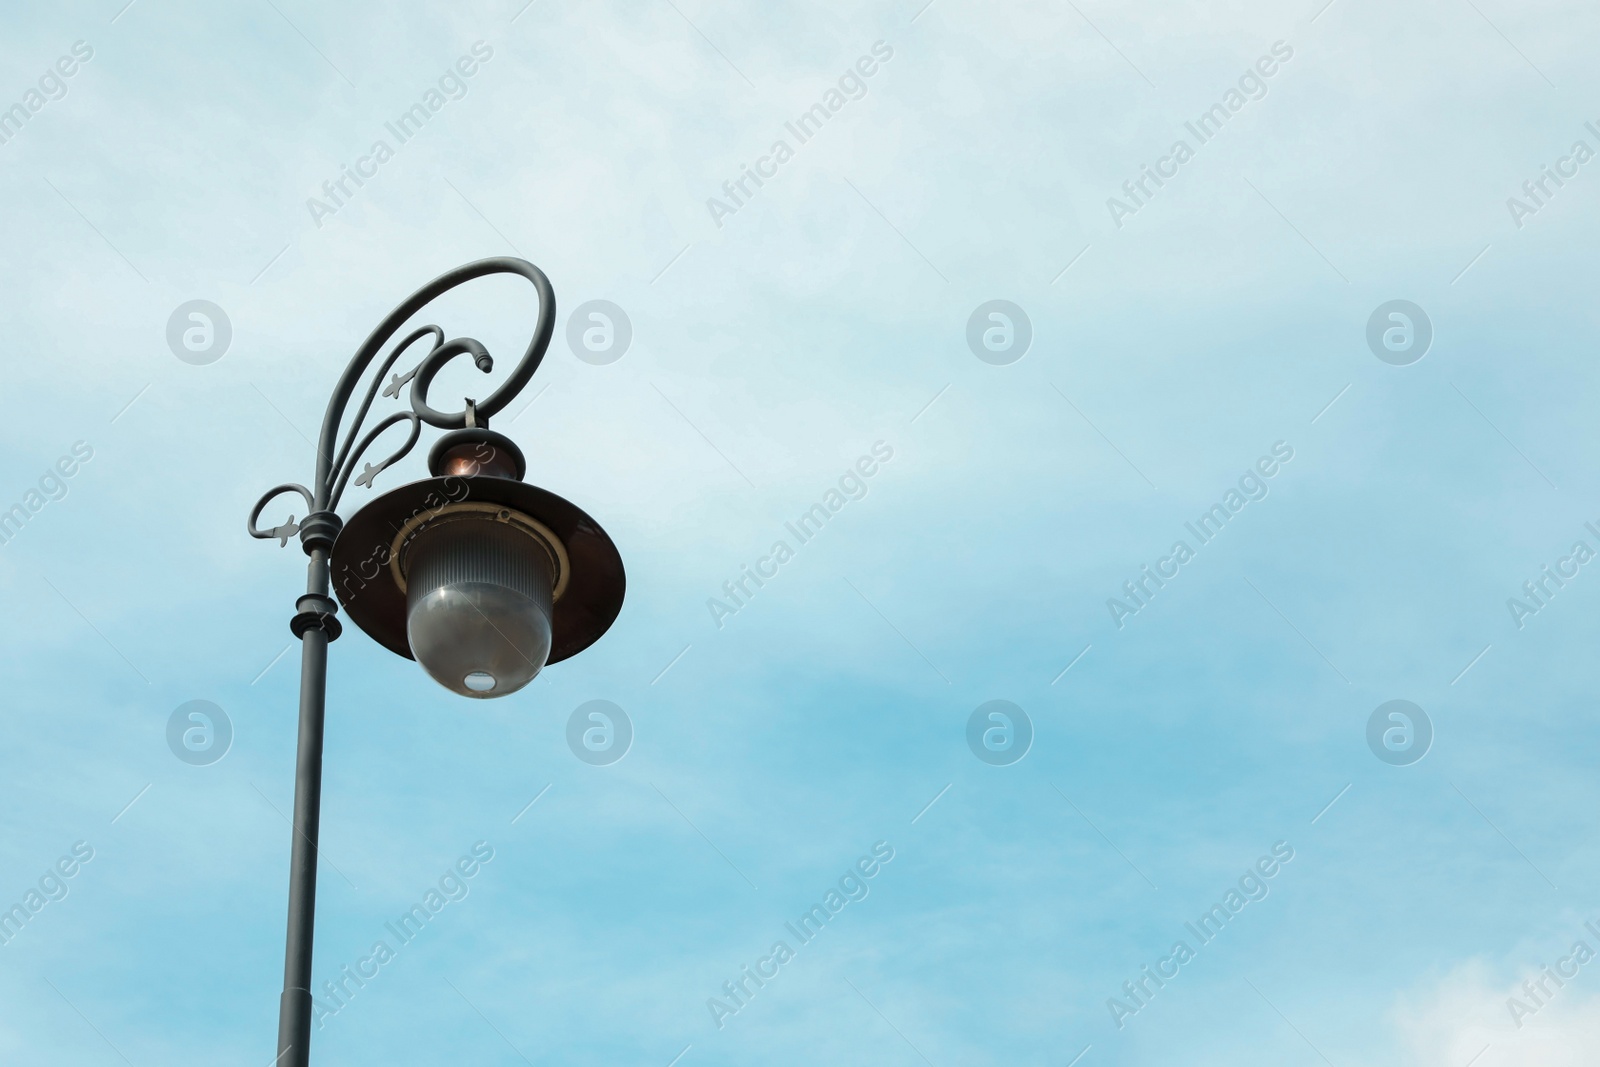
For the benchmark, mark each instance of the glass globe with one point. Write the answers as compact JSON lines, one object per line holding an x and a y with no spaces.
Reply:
{"x":478,"y":605}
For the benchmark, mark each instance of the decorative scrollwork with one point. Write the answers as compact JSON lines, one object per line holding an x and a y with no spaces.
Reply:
{"x":371,"y":472}
{"x":432,"y":365}
{"x":335,"y":467}
{"x":392,"y":391}
{"x":288,"y":529}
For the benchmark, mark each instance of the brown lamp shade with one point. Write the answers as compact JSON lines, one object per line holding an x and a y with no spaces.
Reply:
{"x":478,"y":545}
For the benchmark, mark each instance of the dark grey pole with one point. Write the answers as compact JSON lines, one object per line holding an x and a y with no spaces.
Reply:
{"x":315,"y":625}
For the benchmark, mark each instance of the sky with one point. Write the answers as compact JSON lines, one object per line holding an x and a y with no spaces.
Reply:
{"x":1304,"y":289}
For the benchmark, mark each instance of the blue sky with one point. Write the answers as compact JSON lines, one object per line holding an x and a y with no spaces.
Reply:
{"x":828,"y":313}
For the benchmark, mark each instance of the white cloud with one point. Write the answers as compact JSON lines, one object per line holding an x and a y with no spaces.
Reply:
{"x":1467,"y":1011}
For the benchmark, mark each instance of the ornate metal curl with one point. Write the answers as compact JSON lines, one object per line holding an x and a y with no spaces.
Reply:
{"x":335,"y":467}
{"x":288,"y":529}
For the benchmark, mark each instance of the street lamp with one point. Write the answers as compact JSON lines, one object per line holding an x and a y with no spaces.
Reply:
{"x":480,"y":577}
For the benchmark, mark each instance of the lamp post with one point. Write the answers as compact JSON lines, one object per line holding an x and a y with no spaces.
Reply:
{"x":477,"y":575}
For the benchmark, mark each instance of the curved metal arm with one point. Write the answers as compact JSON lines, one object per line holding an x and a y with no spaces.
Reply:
{"x":335,"y":465}
{"x":372,"y":472}
{"x":288,"y":529}
{"x":433,"y":365}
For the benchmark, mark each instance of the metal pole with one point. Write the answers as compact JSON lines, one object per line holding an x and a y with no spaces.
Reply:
{"x":315,"y":625}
